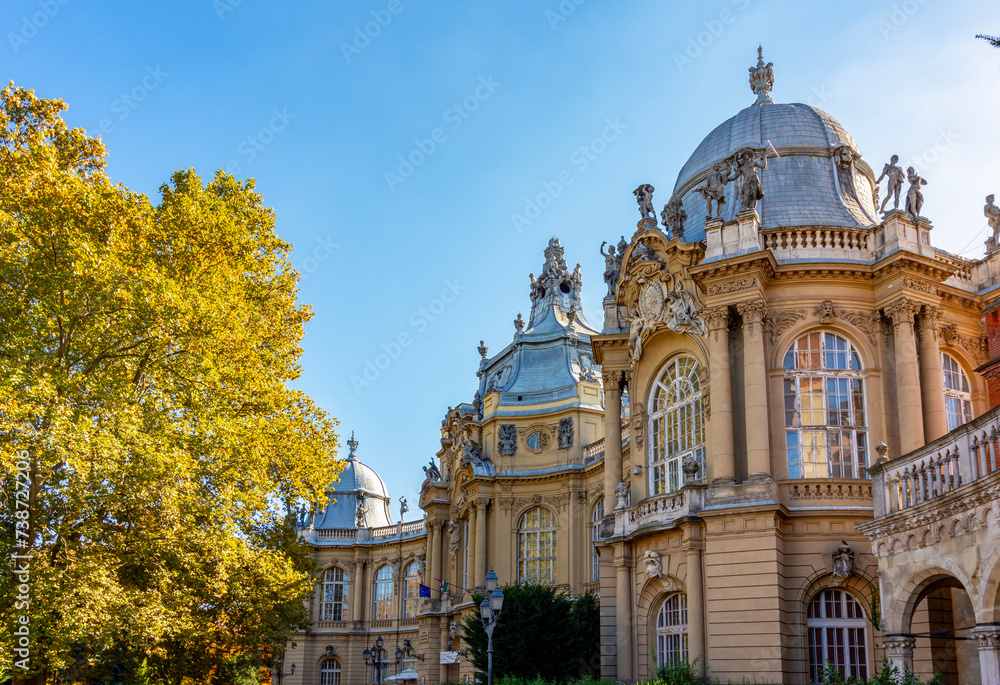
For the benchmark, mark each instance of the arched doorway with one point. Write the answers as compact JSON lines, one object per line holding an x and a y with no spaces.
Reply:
{"x":941,"y":623}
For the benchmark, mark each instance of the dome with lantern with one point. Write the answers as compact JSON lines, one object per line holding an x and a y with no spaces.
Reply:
{"x":359,"y":499}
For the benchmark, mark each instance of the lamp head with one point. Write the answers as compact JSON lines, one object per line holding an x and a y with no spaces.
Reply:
{"x":486,"y":610}
{"x":492,"y":580}
{"x":496,"y":601}
{"x":293,"y":669}
{"x":378,"y":642}
{"x":368,"y":655}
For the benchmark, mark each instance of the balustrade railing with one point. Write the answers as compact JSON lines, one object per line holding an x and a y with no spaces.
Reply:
{"x":965,"y":455}
{"x":817,"y":239}
{"x":595,"y":450}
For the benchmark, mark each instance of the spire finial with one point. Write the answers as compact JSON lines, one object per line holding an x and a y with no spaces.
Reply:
{"x":353,"y":444}
{"x":762,"y":78}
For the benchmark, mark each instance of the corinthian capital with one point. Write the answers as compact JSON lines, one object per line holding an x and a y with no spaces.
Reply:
{"x":753,"y":313}
{"x":902,"y":311}
{"x":717,"y":318}
{"x":612,"y":380}
{"x":929,"y":318}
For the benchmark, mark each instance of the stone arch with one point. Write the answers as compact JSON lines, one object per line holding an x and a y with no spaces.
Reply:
{"x":694,"y":348}
{"x":987,"y":604}
{"x":654,"y":592}
{"x":528,"y":506}
{"x":868,"y":352}
{"x":977,"y":384}
{"x":904,"y":598}
{"x":911,"y":542}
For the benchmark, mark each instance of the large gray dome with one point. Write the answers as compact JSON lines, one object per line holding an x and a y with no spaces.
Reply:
{"x":817,"y":178}
{"x":358,"y":483}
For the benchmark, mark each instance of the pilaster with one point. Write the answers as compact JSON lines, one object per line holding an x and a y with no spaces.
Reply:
{"x":931,"y":375}
{"x":721,"y":464}
{"x":908,"y":394}
{"x":755,"y":394}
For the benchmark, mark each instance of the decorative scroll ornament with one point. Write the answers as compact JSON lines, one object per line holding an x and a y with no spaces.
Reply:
{"x":658,"y":306}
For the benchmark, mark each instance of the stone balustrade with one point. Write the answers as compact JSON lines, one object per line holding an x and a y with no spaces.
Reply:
{"x":362,"y":535}
{"x":659,"y":511}
{"x":814,"y":242}
{"x":963,"y":456}
{"x":595,"y":450}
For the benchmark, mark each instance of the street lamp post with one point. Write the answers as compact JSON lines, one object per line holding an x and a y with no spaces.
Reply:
{"x":373,"y":658}
{"x":489,"y":610}
{"x":278,"y":671}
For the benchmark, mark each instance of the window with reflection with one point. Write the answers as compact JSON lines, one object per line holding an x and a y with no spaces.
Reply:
{"x":826,"y":434}
{"x":536,"y":547}
{"x":676,"y":424}
{"x":382,"y":595}
{"x":411,"y":591}
{"x":329,"y":672}
{"x":333,"y":595}
{"x":595,"y":534}
{"x":957,"y":392}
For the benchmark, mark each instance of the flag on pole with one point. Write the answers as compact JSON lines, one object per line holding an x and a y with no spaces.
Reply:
{"x":444,"y":586}
{"x":424,"y":591}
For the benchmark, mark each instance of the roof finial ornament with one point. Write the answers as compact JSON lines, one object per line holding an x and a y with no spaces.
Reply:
{"x":762,"y":78}
{"x":353,"y":444}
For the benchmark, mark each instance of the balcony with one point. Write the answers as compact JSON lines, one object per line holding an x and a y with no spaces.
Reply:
{"x":350,"y":536}
{"x":658,"y":512}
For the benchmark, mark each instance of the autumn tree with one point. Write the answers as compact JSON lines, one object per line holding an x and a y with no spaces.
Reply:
{"x":145,"y":359}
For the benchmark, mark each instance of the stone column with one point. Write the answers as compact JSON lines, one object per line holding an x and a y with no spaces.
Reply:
{"x":722,"y":465}
{"x":931,"y":376}
{"x":612,"y":435}
{"x":899,"y":651}
{"x":988,"y":640}
{"x":481,"y":506}
{"x":911,"y":419}
{"x":623,"y":607}
{"x":755,"y":393}
{"x":356,"y":594}
{"x":472,"y":544}
{"x":696,"y":606}
{"x":444,"y":647}
{"x":433,"y":554}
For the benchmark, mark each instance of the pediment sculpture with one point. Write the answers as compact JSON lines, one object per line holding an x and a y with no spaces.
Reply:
{"x":658,"y":305}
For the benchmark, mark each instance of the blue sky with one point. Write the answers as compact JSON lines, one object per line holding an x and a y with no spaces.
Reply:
{"x":397,"y":140}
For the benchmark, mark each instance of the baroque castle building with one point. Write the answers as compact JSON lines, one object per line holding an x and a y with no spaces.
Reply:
{"x":777,"y":451}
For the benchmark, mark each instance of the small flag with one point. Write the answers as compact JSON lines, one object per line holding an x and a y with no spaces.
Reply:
{"x":424,"y":591}
{"x":444,"y":586}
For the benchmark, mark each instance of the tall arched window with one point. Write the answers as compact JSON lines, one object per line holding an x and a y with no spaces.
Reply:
{"x":412,"y":590}
{"x":536,"y":547}
{"x":957,"y":394}
{"x":333,"y":596}
{"x":382,"y":597}
{"x":595,"y":534}
{"x":671,"y":630}
{"x":329,"y":672}
{"x":826,"y":434}
{"x":676,"y":424}
{"x":837,"y":634}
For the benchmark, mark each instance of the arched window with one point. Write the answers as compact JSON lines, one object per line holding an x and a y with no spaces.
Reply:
{"x":595,"y":534}
{"x":957,"y":394}
{"x":838,"y":635}
{"x":382,"y":597}
{"x":329,"y":672}
{"x":676,"y":424}
{"x":826,"y":434}
{"x":412,"y":590}
{"x":333,"y":597}
{"x":536,"y":547}
{"x":672,"y":630}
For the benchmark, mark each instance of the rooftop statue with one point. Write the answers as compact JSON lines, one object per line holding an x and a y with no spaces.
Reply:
{"x":612,"y":266}
{"x":673,"y":216}
{"x":745,"y":170}
{"x":762,"y":78}
{"x":714,"y":189}
{"x":895,"y":175}
{"x":644,"y":196}
{"x":992,"y":213}
{"x":914,"y":198}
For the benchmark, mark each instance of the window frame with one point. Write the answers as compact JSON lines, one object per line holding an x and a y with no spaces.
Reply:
{"x":536,"y":537}
{"x":382,"y":582}
{"x":858,"y":660}
{"x":324,"y":673}
{"x":411,"y":580}
{"x":324,"y":605}
{"x":676,"y":424}
{"x":671,"y":638}
{"x":595,"y":536}
{"x":957,"y":401}
{"x":812,"y":391}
